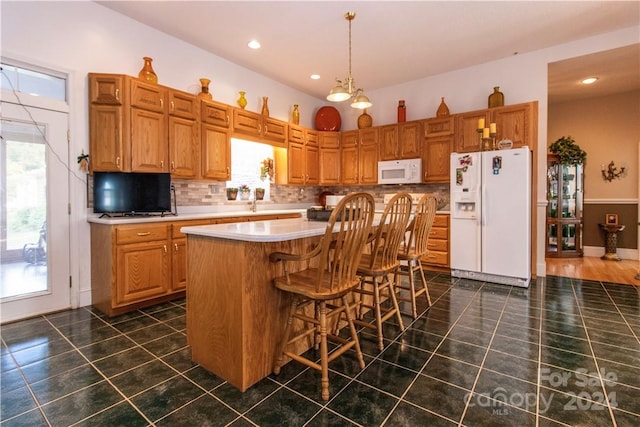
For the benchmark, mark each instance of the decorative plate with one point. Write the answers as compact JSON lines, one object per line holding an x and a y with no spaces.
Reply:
{"x":328,"y":119}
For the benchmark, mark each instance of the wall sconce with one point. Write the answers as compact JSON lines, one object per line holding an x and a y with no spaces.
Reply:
{"x":611,"y":172}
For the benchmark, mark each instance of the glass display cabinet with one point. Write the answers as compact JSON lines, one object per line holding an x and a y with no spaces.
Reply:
{"x":564,"y":209}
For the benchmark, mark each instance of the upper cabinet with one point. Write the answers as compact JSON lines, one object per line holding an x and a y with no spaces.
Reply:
{"x":329,"y":158}
{"x":359,"y":157}
{"x":517,"y":123}
{"x":215,"y":140}
{"x":266,"y":128}
{"x":303,"y":156}
{"x":400,"y":141}
{"x":436,"y":149}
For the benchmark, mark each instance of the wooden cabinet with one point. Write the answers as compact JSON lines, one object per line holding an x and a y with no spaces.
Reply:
{"x":467,"y":138}
{"x":303,"y":156}
{"x":136,"y":126}
{"x":517,"y":123}
{"x":438,"y":244}
{"x":215,"y":141}
{"x":329,"y":139}
{"x":137,"y":265}
{"x":401,"y":141}
{"x":436,"y":149}
{"x":329,"y":158}
{"x":359,"y":157}
{"x":265,"y":128}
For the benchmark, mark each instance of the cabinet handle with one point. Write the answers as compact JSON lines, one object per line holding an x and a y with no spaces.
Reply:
{"x":161,"y":104}
{"x":118,"y":161}
{"x":118,"y":94}
{"x":227,"y":120}
{"x":266,"y":129}
{"x":173,"y":106}
{"x":142,"y":234}
{"x":173,"y":165}
{"x":162,"y":163}
{"x":164,"y":247}
{"x":175,"y":247}
{"x":259,"y":128}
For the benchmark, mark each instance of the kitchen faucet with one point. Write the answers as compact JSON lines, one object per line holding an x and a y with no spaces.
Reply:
{"x":254,"y":205}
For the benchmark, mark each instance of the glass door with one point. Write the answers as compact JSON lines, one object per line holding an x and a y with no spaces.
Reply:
{"x":34,"y":198}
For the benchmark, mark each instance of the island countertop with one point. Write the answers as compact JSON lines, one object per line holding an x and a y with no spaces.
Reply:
{"x":261,"y":231}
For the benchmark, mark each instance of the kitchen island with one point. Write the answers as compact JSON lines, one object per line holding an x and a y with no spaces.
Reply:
{"x":235,"y":315}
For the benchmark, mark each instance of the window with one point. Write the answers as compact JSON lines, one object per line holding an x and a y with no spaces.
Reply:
{"x":246,"y":161}
{"x":33,"y":82}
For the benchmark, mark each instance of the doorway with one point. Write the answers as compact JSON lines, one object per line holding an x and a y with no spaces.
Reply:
{"x":34,"y":193}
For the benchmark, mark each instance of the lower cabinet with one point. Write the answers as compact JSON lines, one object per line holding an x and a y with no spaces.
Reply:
{"x":438,"y":256}
{"x":137,"y":265}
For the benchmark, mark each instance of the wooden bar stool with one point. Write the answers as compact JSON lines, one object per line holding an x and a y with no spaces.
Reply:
{"x":376,"y":266}
{"x":338,"y":255}
{"x":414,"y":248}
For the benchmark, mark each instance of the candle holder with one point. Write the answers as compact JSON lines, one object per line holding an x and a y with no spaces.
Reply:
{"x":486,"y":144}
{"x":493,"y":140}
{"x":612,"y":172}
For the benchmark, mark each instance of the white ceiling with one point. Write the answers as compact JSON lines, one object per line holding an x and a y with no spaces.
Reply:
{"x":395,"y":42}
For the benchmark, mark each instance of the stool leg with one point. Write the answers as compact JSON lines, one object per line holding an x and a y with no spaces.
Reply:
{"x":378,"y":312}
{"x":394,"y":300}
{"x":424,"y":283}
{"x":352,"y":329}
{"x":324,"y":357}
{"x":285,"y":337}
{"x":412,"y":285}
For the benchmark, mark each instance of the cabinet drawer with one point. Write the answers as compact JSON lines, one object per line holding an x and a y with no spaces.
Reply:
{"x":176,"y":226}
{"x":435,"y":257}
{"x":147,"y":96}
{"x":439,"y":127}
{"x":441,"y":221}
{"x":135,"y":233}
{"x":231,"y":219}
{"x":438,"y":245}
{"x":182,"y":104}
{"x":439,"y":233}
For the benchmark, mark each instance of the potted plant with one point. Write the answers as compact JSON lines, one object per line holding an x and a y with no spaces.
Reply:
{"x":245,"y":192}
{"x":569,"y":153}
{"x":232,"y":193}
{"x":259,"y":193}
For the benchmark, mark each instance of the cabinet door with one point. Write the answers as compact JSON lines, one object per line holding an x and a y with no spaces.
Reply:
{"x":179,"y":265}
{"x":296,"y":134}
{"x":368,"y":164}
{"x":247,"y":122}
{"x":216,"y":114}
{"x":106,"y":143}
{"x":435,"y":159}
{"x":148,"y":141}
{"x":329,"y":166}
{"x":349,"y":165}
{"x":349,"y":138}
{"x":514,"y":123}
{"x":311,"y":137}
{"x":182,"y":104}
{"x":275,"y":130}
{"x":216,"y":153}
{"x":467,"y":138}
{"x":142,"y":270}
{"x":184,"y":147}
{"x":389,"y":142}
{"x":312,"y":165}
{"x":147,"y":96}
{"x":368,"y":136}
{"x":409,"y":138}
{"x":329,"y":139}
{"x":106,"y":89}
{"x":296,"y":160}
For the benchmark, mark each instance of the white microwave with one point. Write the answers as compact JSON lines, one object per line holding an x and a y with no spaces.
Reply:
{"x":405,"y":171}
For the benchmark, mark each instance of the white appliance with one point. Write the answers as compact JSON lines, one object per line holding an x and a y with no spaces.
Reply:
{"x":491,"y":216}
{"x":405,"y":171}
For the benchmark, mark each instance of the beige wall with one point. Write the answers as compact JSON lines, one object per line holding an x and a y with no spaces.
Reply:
{"x":607,"y":128}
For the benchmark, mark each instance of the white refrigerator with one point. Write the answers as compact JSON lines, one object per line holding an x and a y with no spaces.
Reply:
{"x":491,"y":216}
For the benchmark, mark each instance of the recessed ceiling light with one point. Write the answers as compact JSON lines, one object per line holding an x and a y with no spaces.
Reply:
{"x":254,"y":44}
{"x":315,"y":76}
{"x":590,"y":80}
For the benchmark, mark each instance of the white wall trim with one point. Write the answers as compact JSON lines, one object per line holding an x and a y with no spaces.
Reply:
{"x":598,"y":251}
{"x":85,"y":298}
{"x":610,"y":201}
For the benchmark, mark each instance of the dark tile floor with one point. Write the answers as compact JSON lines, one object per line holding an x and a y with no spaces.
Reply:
{"x":561,"y":352}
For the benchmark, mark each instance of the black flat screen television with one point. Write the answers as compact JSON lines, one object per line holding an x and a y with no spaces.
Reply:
{"x":131,"y":193}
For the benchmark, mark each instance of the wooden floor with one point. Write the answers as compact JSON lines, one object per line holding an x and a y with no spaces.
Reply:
{"x":594,"y":268}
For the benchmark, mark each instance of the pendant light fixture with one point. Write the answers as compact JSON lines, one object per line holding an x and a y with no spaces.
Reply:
{"x":346,"y":90}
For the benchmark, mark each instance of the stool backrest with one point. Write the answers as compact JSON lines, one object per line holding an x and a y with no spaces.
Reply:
{"x":344,"y":240}
{"x":421,"y":225}
{"x":390,"y":232}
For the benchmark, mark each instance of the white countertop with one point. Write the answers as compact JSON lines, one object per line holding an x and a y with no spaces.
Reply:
{"x":261,"y":231}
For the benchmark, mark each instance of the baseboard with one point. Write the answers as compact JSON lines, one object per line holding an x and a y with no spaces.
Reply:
{"x":598,"y":251}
